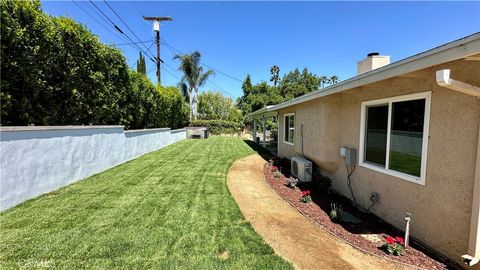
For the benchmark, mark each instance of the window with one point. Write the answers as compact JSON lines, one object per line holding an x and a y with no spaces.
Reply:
{"x":289,"y":133}
{"x":394,"y":136}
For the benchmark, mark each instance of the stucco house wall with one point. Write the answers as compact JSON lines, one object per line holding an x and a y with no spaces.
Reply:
{"x":441,"y":208}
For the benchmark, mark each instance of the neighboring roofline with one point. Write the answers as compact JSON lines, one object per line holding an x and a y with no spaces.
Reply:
{"x":454,"y":50}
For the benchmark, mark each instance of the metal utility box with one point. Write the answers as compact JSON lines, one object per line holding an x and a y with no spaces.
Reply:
{"x":350,"y":155}
{"x":197,"y":132}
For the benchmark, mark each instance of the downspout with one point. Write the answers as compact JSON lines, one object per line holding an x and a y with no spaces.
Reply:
{"x":443,"y":79}
{"x":473,"y":255}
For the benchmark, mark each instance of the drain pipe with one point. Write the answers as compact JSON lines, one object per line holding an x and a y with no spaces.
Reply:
{"x":407,"y":229}
{"x":443,"y":79}
{"x":473,"y":255}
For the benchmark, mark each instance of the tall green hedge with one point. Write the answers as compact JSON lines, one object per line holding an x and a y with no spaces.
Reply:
{"x":218,"y":126}
{"x":54,"y":71}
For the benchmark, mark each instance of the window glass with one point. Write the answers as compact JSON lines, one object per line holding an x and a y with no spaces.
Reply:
{"x":291,"y":135}
{"x":376,"y":134}
{"x":289,"y":128}
{"x":406,"y":139}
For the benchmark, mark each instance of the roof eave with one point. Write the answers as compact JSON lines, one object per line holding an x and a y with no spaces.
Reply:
{"x":445,"y":53}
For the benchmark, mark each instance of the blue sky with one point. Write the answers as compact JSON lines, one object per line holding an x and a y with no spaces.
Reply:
{"x":240,"y":38}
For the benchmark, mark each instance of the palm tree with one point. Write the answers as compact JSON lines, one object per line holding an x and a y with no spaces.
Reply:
{"x":334,"y":79}
{"x":275,"y":74}
{"x":193,"y":77}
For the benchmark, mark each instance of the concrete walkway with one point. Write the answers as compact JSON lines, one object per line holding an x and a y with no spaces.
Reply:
{"x":290,"y":234}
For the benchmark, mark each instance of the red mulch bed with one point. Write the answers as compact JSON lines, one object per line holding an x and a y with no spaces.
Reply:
{"x":318,"y":210}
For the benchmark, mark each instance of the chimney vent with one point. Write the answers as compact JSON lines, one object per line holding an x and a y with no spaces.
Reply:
{"x":373,"y":61}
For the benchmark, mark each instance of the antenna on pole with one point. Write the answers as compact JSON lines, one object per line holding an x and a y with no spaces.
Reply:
{"x":156,"y":28}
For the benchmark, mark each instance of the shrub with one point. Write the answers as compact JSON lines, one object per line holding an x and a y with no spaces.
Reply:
{"x":305,"y":197}
{"x":273,"y":162}
{"x":323,"y":182}
{"x":394,"y":246}
{"x":56,"y":72}
{"x":292,"y":182}
{"x":336,"y":214}
{"x":218,"y":126}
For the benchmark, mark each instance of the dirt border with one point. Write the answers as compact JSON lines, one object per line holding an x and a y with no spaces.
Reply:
{"x":292,"y":236}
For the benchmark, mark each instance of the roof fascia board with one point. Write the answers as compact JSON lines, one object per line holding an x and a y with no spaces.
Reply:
{"x":446,"y":53}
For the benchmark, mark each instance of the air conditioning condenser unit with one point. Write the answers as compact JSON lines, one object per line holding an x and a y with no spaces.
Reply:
{"x":302,"y":169}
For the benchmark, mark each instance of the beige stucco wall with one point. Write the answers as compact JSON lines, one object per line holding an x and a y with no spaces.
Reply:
{"x":441,"y":208}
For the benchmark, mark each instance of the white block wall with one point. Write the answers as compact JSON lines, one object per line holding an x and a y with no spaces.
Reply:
{"x":37,"y":160}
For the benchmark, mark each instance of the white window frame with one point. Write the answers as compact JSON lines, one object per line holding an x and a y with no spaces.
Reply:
{"x":418,"y":180}
{"x":289,"y":128}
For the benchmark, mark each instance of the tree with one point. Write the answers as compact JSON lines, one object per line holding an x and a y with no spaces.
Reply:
{"x":215,"y":106}
{"x":141,"y":67}
{"x":154,"y":106}
{"x":247,"y":85}
{"x":184,"y":90}
{"x":334,"y":79}
{"x":291,"y":85}
{"x":193,"y":77}
{"x":275,"y":74}
{"x":56,"y":72}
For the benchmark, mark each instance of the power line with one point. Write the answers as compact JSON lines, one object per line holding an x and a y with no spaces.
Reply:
{"x":151,"y":69}
{"x":223,"y":73}
{"x":172,"y":69}
{"x":151,"y":45}
{"x":128,"y":27}
{"x":100,"y":23}
{"x":131,"y":43}
{"x":175,"y":50}
{"x":140,"y":12}
{"x":219,"y":88}
{"x":120,"y":30}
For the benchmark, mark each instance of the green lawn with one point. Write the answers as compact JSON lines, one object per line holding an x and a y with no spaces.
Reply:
{"x":165,"y":210}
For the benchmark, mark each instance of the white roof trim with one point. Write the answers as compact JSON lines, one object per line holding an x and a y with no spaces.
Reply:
{"x":448,"y":52}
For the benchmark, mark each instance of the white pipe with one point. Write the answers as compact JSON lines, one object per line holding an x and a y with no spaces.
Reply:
{"x":407,"y":230}
{"x":473,"y":255}
{"x":443,"y":79}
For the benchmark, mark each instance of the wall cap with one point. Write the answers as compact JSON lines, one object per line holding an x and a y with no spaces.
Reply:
{"x":47,"y":128}
{"x":146,"y":130}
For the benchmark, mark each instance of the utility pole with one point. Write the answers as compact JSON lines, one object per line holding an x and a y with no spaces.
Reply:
{"x":156,"y":28}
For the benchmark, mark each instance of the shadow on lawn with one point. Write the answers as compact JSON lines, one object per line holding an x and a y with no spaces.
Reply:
{"x":264,"y":153}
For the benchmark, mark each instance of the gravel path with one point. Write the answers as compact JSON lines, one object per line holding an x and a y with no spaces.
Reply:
{"x":289,"y":233}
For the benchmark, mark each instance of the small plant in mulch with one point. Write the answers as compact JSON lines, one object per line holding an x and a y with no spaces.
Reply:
{"x":305,"y":196}
{"x":273,"y":162}
{"x":292,"y":182}
{"x":274,"y":169}
{"x":394,"y":246}
{"x":336,"y":213}
{"x":277,"y":174}
{"x":324,"y":183}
